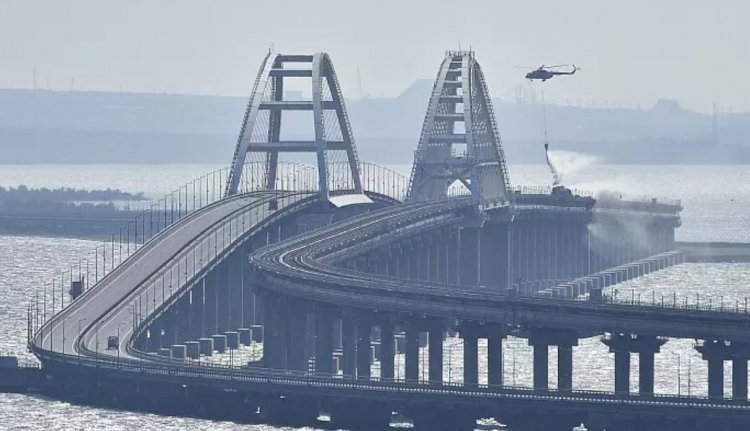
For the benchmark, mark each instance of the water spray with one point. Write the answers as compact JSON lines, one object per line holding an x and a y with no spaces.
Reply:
{"x":556,"y":177}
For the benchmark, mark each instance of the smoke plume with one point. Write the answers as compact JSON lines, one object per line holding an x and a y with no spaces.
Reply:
{"x":556,"y":177}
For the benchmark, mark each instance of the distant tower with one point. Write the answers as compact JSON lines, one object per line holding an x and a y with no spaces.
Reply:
{"x":460,"y":140}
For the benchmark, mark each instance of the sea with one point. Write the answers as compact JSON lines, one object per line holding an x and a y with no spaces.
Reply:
{"x":716,"y":202}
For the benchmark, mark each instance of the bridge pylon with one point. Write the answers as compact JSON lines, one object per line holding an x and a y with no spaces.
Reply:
{"x":261,"y":137}
{"x":460,"y":139}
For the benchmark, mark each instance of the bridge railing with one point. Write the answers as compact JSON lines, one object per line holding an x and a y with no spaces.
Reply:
{"x":256,"y":375}
{"x":699,"y":303}
{"x":546,"y":190}
{"x":86,"y":272}
{"x":203,"y":253}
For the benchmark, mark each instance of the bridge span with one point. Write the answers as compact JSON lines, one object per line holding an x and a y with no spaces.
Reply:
{"x":330,"y":267}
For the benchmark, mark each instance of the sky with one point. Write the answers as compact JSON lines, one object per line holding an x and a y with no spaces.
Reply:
{"x":631,"y":53}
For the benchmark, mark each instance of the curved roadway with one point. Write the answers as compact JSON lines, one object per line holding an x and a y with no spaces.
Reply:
{"x":156,"y":273}
{"x":308,"y":266}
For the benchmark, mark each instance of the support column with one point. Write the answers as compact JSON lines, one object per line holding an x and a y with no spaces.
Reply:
{"x":495,"y":360}
{"x":739,"y":379}
{"x":541,"y":339}
{"x":495,"y":256}
{"x":646,"y":372}
{"x":210,"y":303}
{"x":275,"y":333}
{"x":236,"y":293}
{"x":248,"y":294}
{"x":364,"y":329}
{"x":224,"y":297}
{"x":622,"y":372}
{"x":715,"y":352}
{"x":196,"y":310}
{"x":435,"y":339}
{"x":471,"y":359}
{"x":324,"y":342}
{"x":646,"y":346}
{"x":541,"y":366}
{"x":412,"y":352}
{"x":387,"y":350}
{"x":297,"y":335}
{"x":469,"y":256}
{"x":716,"y":378}
{"x":565,"y":367}
{"x":348,"y":342}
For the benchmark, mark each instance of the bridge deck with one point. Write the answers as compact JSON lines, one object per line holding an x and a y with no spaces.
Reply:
{"x":154,"y":274}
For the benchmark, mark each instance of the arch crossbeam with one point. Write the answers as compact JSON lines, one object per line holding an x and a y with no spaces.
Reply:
{"x":460,"y":139}
{"x":261,"y":140}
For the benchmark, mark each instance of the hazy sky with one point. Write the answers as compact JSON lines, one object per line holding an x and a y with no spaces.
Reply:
{"x":696,"y":51}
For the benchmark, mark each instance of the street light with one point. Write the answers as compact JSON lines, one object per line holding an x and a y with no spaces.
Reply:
{"x":118,"y":339}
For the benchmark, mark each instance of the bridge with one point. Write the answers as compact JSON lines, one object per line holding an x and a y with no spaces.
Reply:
{"x":339,"y":267}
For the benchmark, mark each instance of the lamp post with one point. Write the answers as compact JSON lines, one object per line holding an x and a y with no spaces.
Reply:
{"x":118,"y":339}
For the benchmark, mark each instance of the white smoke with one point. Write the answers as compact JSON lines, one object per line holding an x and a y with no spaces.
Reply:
{"x":556,"y":178}
{"x":565,"y":164}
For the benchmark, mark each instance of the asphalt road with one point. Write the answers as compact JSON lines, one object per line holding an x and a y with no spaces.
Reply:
{"x":152,"y":275}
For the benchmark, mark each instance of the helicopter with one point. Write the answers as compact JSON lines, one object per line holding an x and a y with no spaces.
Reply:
{"x":547,"y":72}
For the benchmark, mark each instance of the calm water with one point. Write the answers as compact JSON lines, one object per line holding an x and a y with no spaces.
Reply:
{"x":716,"y":208}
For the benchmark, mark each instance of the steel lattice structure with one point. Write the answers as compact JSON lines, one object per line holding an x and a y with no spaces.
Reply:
{"x":448,"y":152}
{"x":260,"y":137}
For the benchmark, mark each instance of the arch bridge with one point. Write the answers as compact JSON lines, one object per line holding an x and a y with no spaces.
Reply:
{"x":279,"y":292}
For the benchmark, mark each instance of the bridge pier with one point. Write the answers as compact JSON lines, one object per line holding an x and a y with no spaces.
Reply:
{"x":387,"y":350}
{"x":411,"y":362}
{"x":451,"y":253}
{"x":494,"y":255}
{"x":495,"y":360}
{"x":211,"y":303}
{"x":469,"y":256}
{"x":235,"y":288}
{"x":540,"y":339}
{"x":435,"y":348}
{"x":739,"y":377}
{"x":716,"y":352}
{"x":364,"y":332}
{"x":196,"y":310}
{"x":296,"y":317}
{"x":224,"y":299}
{"x":275,"y":333}
{"x":471,"y":357}
{"x":348,"y":344}
{"x":324,"y":342}
{"x":182,"y":319}
{"x":646,"y":346}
